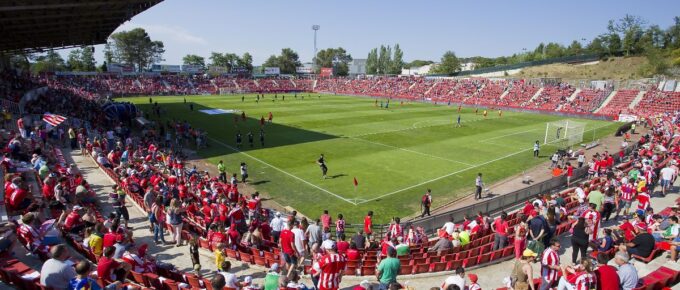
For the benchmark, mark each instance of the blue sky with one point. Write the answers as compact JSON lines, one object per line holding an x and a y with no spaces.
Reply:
{"x":424,"y":29}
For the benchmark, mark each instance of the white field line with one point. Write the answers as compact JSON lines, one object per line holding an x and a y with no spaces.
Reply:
{"x":413,"y":127}
{"x":282,"y":171}
{"x":506,"y":135}
{"x":459,"y":171}
{"x":411,"y":151}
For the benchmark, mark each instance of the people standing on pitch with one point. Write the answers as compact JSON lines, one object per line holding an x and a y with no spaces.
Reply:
{"x":270,"y":117}
{"x":262,"y":137}
{"x":150,"y":100}
{"x":283,"y":98}
{"x":376,"y":103}
{"x":485,"y":113}
{"x":243,"y":99}
{"x":262,"y":122}
{"x":537,"y":148}
{"x":479,"y":184}
{"x":322,"y":164}
{"x":426,"y":202}
{"x":458,"y":122}
{"x":381,"y":104}
{"x":222,"y":171}
{"x":243,"y":115}
{"x":185,"y":100}
{"x":238,"y":139}
{"x":250,"y":139}
{"x":191,"y":106}
{"x":500,"y":113}
{"x":476,"y":111}
{"x":459,"y":108}
{"x":244,"y":172}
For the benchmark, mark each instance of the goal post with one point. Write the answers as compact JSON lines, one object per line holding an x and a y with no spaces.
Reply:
{"x":564,"y":133}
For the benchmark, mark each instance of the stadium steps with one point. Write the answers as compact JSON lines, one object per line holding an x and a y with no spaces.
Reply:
{"x":574,"y":95}
{"x":257,"y":84}
{"x":236,"y":84}
{"x":606,"y":101}
{"x":538,"y":93}
{"x":411,"y":86}
{"x":166,"y":85}
{"x":314,"y":84}
{"x":637,"y":99}
{"x":292,"y":82}
{"x":505,"y":93}
{"x":430,"y":89}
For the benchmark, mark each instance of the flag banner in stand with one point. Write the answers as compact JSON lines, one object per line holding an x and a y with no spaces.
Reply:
{"x":53,"y":119}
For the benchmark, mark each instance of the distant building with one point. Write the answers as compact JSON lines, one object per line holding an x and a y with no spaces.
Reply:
{"x":357,"y":67}
{"x":467,"y":66}
{"x":416,"y":71}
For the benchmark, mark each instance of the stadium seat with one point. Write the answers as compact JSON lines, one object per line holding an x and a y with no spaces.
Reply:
{"x":406,"y":270}
{"x":484,"y":258}
{"x":675,"y":275}
{"x":439,"y":266}
{"x":367,"y":270}
{"x":421,"y":268}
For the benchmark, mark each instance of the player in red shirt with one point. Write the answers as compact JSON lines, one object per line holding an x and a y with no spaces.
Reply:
{"x":287,"y":244}
{"x":332,"y":265}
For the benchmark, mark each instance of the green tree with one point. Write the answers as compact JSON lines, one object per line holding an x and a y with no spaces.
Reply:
{"x":449,"y":64}
{"x":81,"y":59}
{"x":656,"y":62}
{"x":136,"y":48}
{"x":553,"y":50}
{"x":613,"y":43}
{"x":289,"y":61}
{"x":372,"y":62}
{"x":50,"y":62}
{"x":418,"y":63}
{"x":597,"y":45}
{"x":336,"y":58}
{"x":672,"y":35}
{"x":272,"y":61}
{"x":575,"y":48}
{"x":192,"y":59}
{"x":246,"y":61}
{"x":384,"y":59}
{"x":397,"y":62}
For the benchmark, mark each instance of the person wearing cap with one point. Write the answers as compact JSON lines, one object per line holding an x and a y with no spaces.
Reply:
{"x":473,"y":282}
{"x":522,"y":271}
{"x":388,"y":269}
{"x":271,"y":280}
{"x":331,"y":265}
{"x":248,"y":284}
{"x":458,"y":279}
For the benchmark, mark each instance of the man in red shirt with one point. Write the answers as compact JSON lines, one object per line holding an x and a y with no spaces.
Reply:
{"x":332,"y":265}
{"x":19,"y":199}
{"x":106,"y":265}
{"x":74,"y":222}
{"x":368,"y":224}
{"x":500,"y":227}
{"x":287,"y":244}
{"x":607,"y":277}
{"x":570,"y":173}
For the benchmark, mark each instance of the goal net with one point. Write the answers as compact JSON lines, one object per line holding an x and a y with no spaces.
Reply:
{"x":230,"y":91}
{"x":564,"y":133}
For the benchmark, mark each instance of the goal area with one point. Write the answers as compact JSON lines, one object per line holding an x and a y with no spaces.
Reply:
{"x":564,"y":133}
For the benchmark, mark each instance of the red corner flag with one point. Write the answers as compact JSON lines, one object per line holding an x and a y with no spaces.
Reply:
{"x":356,"y":183}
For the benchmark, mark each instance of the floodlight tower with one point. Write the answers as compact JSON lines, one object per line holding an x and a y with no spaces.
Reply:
{"x":316,"y":28}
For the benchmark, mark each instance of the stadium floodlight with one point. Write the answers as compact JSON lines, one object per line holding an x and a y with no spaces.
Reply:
{"x":564,"y":133}
{"x":316,"y":28}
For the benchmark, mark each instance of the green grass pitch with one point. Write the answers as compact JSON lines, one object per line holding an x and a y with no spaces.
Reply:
{"x":395,"y":154}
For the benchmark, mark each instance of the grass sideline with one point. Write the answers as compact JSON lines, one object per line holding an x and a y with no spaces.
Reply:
{"x":395,"y":153}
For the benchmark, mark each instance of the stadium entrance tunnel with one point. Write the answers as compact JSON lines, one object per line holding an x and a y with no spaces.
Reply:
{"x":222,"y":129}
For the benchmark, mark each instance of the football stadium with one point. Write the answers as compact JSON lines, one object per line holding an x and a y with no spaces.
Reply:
{"x":138,"y":154}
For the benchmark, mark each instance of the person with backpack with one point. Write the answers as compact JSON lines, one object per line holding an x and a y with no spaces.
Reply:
{"x":425,"y":203}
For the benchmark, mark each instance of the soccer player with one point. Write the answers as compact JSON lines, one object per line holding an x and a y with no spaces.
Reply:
{"x":459,"y":108}
{"x":458,"y":122}
{"x":261,"y":121}
{"x":250,"y":139}
{"x":243,"y":98}
{"x":500,"y":113}
{"x":191,"y":106}
{"x":476,"y":111}
{"x":243,"y":115}
{"x":270,"y":117}
{"x":485,"y":113}
{"x":238,"y":139}
{"x":479,"y":184}
{"x":537,"y":148}
{"x":559,"y":130}
{"x":322,"y":164}
{"x":262,"y":137}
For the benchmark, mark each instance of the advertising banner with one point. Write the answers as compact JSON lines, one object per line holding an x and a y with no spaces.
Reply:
{"x":272,"y":71}
{"x":119,"y":68}
{"x":166,"y":68}
{"x":326,"y":72}
{"x":627,"y":118}
{"x":192,"y":68}
{"x":303,"y":70}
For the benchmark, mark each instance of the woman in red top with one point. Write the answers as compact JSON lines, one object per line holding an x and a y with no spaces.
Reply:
{"x":352,"y":252}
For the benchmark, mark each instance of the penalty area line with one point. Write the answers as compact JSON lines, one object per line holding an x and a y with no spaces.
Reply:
{"x":282,"y":171}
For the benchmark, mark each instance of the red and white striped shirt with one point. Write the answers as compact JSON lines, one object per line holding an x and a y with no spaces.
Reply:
{"x":594,"y":216}
{"x":474,"y":286}
{"x":643,"y":201}
{"x":549,"y":258}
{"x":627,"y":192}
{"x":585,"y":281}
{"x":331,"y":266}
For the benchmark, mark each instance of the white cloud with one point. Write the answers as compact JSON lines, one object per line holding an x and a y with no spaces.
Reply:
{"x":165,"y":33}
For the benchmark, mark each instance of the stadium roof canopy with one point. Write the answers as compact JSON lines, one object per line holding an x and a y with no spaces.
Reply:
{"x":35,"y":25}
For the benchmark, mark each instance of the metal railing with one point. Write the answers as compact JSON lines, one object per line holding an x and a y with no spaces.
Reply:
{"x":504,"y":202}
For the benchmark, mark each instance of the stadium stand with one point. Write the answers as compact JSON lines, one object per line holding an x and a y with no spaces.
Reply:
{"x":620,"y":102}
